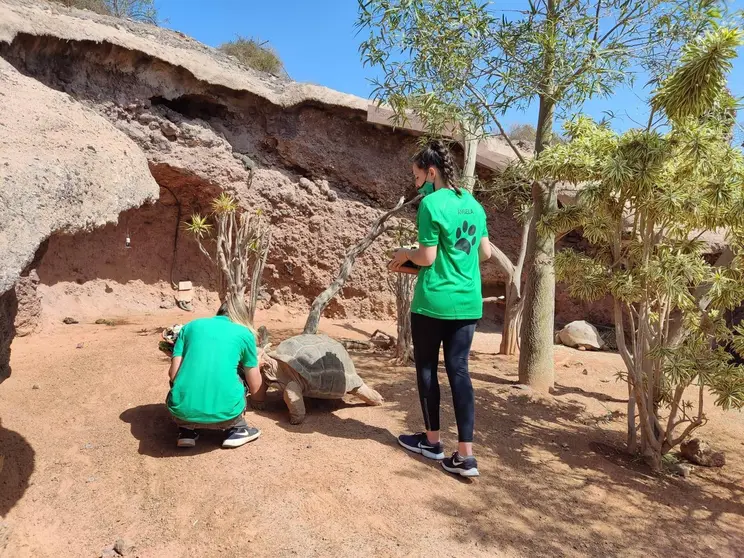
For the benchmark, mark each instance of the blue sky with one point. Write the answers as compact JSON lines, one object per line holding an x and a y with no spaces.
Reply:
{"x":317,"y":42}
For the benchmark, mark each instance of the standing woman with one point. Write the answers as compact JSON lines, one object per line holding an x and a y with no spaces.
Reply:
{"x":447,"y":302}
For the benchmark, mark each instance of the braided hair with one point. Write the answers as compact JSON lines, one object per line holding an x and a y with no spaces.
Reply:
{"x":436,"y":154}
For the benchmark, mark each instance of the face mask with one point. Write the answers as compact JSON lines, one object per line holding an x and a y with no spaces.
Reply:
{"x":426,"y":188}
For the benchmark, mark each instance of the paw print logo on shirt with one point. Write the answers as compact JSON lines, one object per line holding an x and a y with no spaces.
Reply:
{"x":465,"y":237}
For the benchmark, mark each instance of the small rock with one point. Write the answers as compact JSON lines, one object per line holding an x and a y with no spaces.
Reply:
{"x":585,"y":372}
{"x":699,"y":452}
{"x":90,"y":479}
{"x":154,"y":126}
{"x":169,"y":129}
{"x":564,"y":446}
{"x":681,"y":469}
{"x":35,"y":386}
{"x":146,"y":118}
{"x":306,"y":184}
{"x":123,"y":547}
{"x":332,"y":195}
{"x":323,"y":186}
{"x":70,"y":321}
{"x":79,"y":345}
{"x":109,"y":552}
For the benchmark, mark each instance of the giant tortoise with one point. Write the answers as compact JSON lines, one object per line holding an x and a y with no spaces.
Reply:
{"x":314,"y":366}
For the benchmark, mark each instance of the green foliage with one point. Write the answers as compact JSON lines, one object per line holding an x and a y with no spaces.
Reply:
{"x":696,"y":85}
{"x":199,"y":226}
{"x":224,"y":203}
{"x":646,"y":198}
{"x":462,"y":61}
{"x":254,"y":54}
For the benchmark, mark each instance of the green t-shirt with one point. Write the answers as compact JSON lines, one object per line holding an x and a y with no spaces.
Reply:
{"x":207,"y":388}
{"x":450,"y":288}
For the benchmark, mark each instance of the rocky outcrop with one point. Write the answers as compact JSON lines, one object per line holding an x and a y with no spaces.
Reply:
{"x":306,"y":155}
{"x":315,"y":160}
{"x":62,"y":168}
{"x":28,"y":317}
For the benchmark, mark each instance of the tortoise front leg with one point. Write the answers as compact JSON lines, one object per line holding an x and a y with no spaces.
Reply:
{"x":295,"y":402}
{"x":368,"y":395}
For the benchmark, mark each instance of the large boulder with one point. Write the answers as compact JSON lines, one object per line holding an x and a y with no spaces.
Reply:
{"x":699,"y":452}
{"x":62,"y":168}
{"x":580,"y":335}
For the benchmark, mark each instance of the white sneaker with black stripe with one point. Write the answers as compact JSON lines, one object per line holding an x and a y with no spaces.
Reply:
{"x":463,"y":466}
{"x":419,"y":443}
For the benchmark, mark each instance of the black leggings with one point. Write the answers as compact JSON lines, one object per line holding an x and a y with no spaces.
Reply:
{"x":457,"y":336}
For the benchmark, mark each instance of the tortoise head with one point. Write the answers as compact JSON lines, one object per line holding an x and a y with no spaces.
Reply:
{"x":267,"y":364}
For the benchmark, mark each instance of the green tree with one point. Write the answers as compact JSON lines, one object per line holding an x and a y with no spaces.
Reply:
{"x":461,"y":61}
{"x":254,"y":54}
{"x":647,"y":197}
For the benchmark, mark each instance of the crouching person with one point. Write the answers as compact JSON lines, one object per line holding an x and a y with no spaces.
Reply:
{"x":206,"y":390}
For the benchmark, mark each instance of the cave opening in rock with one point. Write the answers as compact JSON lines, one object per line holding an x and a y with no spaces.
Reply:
{"x":94,"y":273}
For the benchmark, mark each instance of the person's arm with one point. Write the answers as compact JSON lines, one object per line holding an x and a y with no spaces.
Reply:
{"x":174,"y":367}
{"x":177,"y":355}
{"x":249,"y":362}
{"x":422,"y":256}
{"x":428,"y":238}
{"x":484,"y":249}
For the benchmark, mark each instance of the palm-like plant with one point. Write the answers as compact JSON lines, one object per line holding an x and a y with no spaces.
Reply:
{"x":241,"y":247}
{"x":647,"y":197}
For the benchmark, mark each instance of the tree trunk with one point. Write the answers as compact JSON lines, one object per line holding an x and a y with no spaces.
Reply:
{"x":264,"y":245}
{"x":403,"y":288}
{"x":470,"y":145}
{"x":513,"y":313}
{"x":536,"y":355}
{"x":322,"y":300}
{"x":514,"y":308}
{"x":632,"y":437}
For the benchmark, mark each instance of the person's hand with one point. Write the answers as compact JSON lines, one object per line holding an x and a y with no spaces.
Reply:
{"x":401,"y":256}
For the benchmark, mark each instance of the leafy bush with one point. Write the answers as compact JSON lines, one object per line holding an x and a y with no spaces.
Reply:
{"x":254,"y":54}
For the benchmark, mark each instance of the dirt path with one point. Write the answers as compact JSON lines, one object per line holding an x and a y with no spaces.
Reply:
{"x":90,"y":456}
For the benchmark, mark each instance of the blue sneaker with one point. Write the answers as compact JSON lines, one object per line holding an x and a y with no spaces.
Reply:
{"x":239,"y":436}
{"x":418,"y":443}
{"x":463,"y":466}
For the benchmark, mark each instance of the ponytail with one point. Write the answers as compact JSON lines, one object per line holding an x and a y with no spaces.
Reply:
{"x":436,"y":154}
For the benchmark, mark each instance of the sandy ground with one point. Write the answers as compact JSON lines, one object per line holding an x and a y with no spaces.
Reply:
{"x":87,"y":455}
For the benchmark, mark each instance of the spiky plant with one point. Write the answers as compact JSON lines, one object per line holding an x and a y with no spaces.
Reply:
{"x":241,"y":247}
